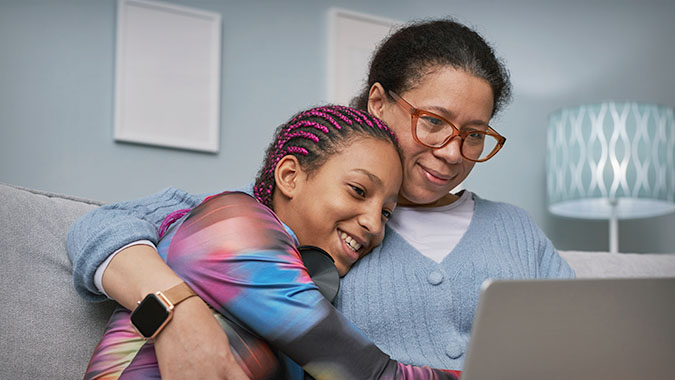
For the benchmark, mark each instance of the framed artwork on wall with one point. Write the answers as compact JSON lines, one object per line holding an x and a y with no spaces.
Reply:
{"x":352,"y":37}
{"x":167,"y":75}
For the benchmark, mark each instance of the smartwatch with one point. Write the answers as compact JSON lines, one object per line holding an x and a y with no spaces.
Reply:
{"x":156,"y":310}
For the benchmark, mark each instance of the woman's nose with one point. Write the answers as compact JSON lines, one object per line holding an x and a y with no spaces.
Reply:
{"x":450,"y":153}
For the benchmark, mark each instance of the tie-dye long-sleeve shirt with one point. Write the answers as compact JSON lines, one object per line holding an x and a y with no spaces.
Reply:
{"x":238,"y":257}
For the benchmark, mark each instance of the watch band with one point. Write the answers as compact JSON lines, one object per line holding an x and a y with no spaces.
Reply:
{"x":178,"y":293}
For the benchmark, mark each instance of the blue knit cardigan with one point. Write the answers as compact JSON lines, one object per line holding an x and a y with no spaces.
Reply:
{"x":421,"y":312}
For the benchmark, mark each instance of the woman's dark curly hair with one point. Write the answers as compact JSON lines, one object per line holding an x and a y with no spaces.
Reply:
{"x":401,"y":61}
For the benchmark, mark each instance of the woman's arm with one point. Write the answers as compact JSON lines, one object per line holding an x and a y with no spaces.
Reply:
{"x":551,"y":264}
{"x":237,"y":256}
{"x":97,"y":234}
{"x":193,"y":345}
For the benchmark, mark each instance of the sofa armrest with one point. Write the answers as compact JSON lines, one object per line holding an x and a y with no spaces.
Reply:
{"x":48,"y":331}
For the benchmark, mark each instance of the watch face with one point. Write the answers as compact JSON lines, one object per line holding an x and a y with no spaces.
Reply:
{"x":150,"y":315}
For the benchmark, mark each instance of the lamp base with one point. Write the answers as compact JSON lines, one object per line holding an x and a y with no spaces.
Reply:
{"x":613,"y":226}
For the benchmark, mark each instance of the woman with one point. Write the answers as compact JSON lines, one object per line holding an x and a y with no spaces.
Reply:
{"x":332,"y":176}
{"x":437,"y":84}
{"x":416,"y":302}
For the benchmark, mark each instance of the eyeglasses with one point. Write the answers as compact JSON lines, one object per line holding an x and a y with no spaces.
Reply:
{"x":435,"y":132}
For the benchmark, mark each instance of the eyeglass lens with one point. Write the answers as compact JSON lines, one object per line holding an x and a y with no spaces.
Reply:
{"x":435,"y":132}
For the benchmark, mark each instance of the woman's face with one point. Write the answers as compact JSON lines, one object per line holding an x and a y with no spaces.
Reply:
{"x":460,"y":97}
{"x":343,"y":205}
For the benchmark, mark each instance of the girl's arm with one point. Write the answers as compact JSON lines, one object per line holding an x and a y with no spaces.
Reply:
{"x":237,"y":256}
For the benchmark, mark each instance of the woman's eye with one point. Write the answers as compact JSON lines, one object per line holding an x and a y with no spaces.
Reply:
{"x":432,"y":121}
{"x":386,"y":214}
{"x":359,"y":191}
{"x":477,"y":136}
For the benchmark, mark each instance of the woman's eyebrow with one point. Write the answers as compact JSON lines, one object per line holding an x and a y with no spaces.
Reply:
{"x":447,"y":114}
{"x":370,"y":175}
{"x":478,"y":122}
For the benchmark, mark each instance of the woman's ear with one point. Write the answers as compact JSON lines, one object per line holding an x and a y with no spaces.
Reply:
{"x":377,"y":100}
{"x":288,"y":176}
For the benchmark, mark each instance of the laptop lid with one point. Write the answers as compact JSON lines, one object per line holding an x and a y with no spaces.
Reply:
{"x":574,"y":329}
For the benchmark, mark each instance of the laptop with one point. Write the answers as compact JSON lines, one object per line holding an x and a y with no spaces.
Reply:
{"x":595,"y":329}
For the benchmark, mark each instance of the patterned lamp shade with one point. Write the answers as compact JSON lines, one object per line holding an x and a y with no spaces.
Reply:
{"x":611,"y":160}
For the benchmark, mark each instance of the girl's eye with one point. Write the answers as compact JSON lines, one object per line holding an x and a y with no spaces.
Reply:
{"x":359,"y":191}
{"x":386,"y":214}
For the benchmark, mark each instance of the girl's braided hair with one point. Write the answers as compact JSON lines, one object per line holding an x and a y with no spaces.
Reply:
{"x":313,"y":136}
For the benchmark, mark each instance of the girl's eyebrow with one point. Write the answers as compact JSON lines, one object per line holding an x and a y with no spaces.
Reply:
{"x":370,"y":175}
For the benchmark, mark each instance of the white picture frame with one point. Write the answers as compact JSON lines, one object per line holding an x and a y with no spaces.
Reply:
{"x":167,"y":75}
{"x":352,"y":39}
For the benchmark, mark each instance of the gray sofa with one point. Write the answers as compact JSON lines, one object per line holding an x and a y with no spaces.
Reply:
{"x":49,"y":332}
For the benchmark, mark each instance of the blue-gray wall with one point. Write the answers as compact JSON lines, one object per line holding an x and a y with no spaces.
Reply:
{"x":56,"y":93}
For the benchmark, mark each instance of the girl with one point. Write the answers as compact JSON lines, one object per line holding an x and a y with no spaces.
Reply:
{"x":331,"y":176}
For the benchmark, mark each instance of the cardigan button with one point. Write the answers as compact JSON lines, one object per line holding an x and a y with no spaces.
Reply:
{"x":435,"y":278}
{"x":457,"y":345}
{"x":454,"y":350}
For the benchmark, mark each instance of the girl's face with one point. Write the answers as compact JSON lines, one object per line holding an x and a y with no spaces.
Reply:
{"x":343,"y":206}
{"x":463,"y":99}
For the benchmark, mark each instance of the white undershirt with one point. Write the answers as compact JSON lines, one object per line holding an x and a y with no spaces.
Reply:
{"x":434,"y":231}
{"x":98,"y":276}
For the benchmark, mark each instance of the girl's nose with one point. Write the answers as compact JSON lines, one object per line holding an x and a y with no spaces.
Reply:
{"x":371,"y":218}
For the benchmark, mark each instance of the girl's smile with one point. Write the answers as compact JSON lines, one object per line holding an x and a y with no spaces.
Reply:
{"x":342,"y":207}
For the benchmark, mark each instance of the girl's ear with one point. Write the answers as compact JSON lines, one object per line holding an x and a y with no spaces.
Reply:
{"x":377,"y":100}
{"x":287,"y":176}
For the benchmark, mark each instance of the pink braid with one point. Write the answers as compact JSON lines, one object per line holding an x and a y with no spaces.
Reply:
{"x":170,"y":219}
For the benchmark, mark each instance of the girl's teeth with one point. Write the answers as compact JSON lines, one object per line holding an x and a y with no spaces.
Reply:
{"x":350,"y":242}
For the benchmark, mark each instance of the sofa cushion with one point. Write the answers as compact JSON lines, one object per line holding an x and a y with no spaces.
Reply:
{"x":605,"y":264}
{"x":48,"y":331}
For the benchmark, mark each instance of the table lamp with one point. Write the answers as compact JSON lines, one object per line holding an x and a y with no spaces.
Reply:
{"x":612,"y":160}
